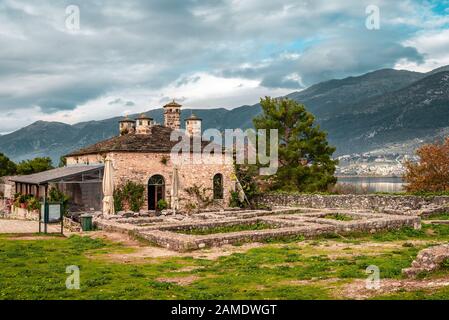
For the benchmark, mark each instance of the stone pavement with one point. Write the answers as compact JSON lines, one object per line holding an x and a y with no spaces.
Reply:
{"x":22,"y":226}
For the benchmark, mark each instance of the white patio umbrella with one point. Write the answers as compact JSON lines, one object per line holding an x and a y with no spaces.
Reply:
{"x":174,"y":190}
{"x":108,"y":187}
{"x":242,"y":195}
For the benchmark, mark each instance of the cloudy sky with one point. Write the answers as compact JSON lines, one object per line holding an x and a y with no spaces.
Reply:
{"x":132,"y":56}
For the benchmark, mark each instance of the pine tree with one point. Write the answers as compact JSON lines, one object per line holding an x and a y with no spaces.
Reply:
{"x":7,"y":167}
{"x":34,"y":165}
{"x":305,"y":157}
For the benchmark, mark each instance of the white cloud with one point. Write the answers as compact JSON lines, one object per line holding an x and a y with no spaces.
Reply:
{"x":197,"y":91}
{"x":218,"y":53}
{"x":433,"y":45}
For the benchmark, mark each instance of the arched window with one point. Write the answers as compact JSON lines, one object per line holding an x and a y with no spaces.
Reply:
{"x":218,"y":186}
{"x":156,"y":191}
{"x":156,"y":180}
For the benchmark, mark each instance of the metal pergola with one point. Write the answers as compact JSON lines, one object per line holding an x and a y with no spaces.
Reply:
{"x":80,"y":174}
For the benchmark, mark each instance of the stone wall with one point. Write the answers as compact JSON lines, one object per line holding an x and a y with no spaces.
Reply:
{"x":7,"y":187}
{"x":2,"y":205}
{"x":23,"y":214}
{"x":7,"y":190}
{"x":140,"y":167}
{"x":381,"y":203}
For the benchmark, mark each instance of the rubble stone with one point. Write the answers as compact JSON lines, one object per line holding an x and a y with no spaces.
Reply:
{"x":428,"y":260}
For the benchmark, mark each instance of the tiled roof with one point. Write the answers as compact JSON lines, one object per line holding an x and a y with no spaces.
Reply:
{"x":143,"y":116}
{"x":193,"y":117}
{"x":158,"y":141}
{"x":127,"y":119}
{"x":172,"y":104}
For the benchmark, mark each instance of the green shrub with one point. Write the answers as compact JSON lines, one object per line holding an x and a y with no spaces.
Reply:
{"x":55,"y":195}
{"x":162,"y":204}
{"x":118,"y":200}
{"x":201,"y":196}
{"x":21,"y":199}
{"x":234,"y":201}
{"x":33,"y":204}
{"x":131,"y":195}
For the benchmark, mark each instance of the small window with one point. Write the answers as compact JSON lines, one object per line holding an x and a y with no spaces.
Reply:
{"x":218,"y":186}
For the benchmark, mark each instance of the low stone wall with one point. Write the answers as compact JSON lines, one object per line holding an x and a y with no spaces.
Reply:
{"x":380,"y":203}
{"x":23,"y":214}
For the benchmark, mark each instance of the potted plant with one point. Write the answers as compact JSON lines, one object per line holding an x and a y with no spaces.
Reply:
{"x":161,"y":205}
{"x":23,"y":199}
{"x":33,"y":204}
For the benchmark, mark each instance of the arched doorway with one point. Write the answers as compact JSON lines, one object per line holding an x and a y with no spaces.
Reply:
{"x":156,"y":191}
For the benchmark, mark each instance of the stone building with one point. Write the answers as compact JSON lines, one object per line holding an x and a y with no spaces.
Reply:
{"x":142,"y":154}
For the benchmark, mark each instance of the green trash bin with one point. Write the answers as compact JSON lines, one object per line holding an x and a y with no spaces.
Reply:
{"x":86,"y":222}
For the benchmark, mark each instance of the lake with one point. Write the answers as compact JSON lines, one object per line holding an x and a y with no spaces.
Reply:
{"x":374,"y":184}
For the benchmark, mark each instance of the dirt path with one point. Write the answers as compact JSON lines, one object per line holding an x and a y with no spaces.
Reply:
{"x":357,"y":290}
{"x":142,"y":252}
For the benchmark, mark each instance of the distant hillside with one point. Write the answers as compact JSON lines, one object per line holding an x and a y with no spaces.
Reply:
{"x":418,"y":111}
{"x":331,"y":98}
{"x":54,"y":139}
{"x":385,"y":109}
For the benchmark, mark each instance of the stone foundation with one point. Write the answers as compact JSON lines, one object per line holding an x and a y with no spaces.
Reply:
{"x":390,"y":204}
{"x":283,"y":223}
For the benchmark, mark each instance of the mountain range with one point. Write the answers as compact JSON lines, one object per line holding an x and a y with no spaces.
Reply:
{"x":385,"y":111}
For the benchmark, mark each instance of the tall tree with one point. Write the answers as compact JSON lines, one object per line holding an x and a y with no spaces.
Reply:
{"x":431,"y":173}
{"x":7,"y":167}
{"x":305,"y":157}
{"x":34,"y":165}
{"x":62,"y":161}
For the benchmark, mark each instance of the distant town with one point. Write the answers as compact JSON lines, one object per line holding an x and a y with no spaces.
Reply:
{"x":368,"y":164}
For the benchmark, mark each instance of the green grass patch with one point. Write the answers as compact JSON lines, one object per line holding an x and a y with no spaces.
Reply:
{"x":227,"y":229}
{"x":440,"y":216}
{"x":339,"y":217}
{"x":36,"y":269}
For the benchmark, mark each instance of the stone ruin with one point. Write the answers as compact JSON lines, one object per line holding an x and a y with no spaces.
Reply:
{"x":428,"y":260}
{"x":209,"y":229}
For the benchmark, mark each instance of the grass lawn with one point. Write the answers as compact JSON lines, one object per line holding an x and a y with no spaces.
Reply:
{"x":313,"y":269}
{"x":227,"y":229}
{"x":441,"y":216}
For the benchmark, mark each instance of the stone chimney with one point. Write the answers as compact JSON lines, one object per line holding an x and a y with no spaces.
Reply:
{"x":126,"y":126}
{"x":143,"y":124}
{"x":193,"y":125}
{"x":172,"y":115}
